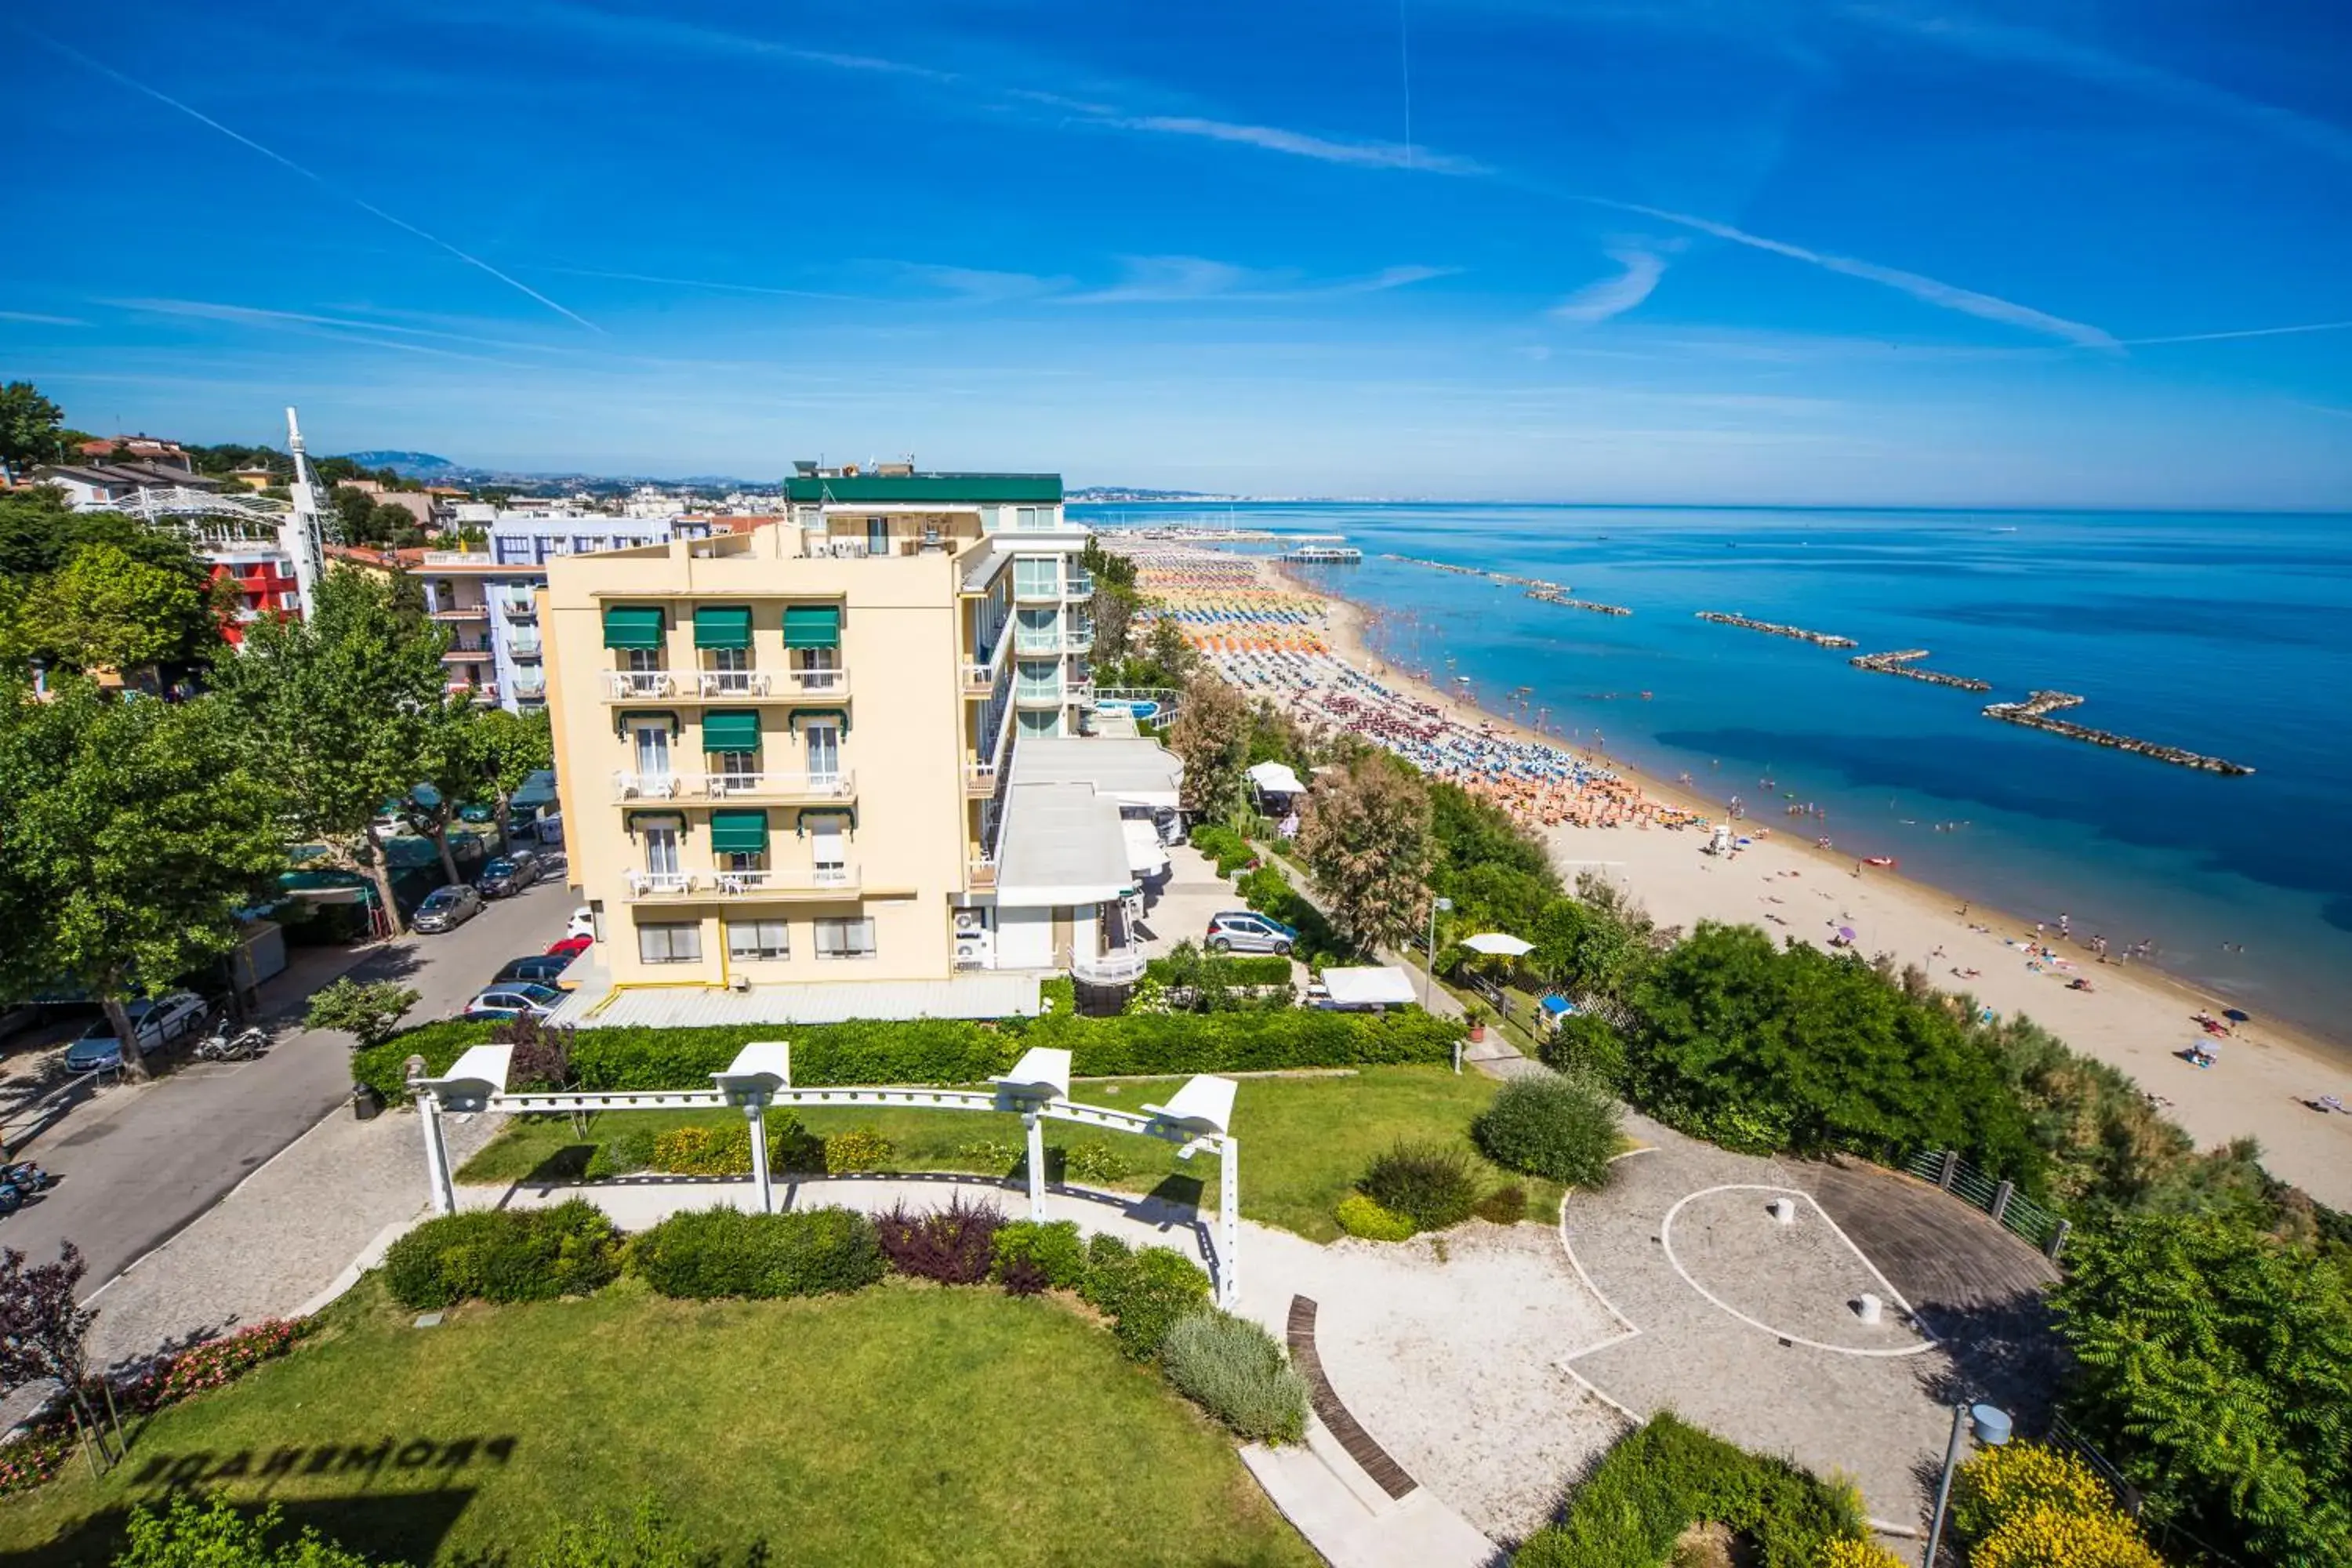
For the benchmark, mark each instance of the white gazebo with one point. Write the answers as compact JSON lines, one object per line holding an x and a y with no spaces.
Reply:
{"x":1498,"y":944}
{"x":1368,"y":986}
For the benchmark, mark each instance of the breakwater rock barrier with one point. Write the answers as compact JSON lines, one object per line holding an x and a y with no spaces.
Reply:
{"x":1901,"y":662}
{"x":2034,"y":714}
{"x":1511,"y":579}
{"x":1557,"y":597}
{"x":1819,"y":639}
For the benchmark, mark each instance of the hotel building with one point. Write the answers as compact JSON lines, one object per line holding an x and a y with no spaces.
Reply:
{"x":787,"y":760}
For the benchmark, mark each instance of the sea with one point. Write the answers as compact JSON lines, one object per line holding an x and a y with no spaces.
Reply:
{"x":2223,"y":634}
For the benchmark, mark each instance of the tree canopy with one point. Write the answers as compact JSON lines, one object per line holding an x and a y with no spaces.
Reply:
{"x":1210,"y":736}
{"x":1364,"y":837}
{"x":29,"y":426}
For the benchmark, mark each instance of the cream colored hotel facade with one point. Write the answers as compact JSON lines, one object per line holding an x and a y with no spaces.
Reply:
{"x":787,"y":755}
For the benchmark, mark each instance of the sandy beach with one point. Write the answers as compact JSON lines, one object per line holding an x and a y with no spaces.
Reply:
{"x":2135,"y":1016}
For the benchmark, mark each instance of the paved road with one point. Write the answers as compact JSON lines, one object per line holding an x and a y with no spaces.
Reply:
{"x":138,"y":1162}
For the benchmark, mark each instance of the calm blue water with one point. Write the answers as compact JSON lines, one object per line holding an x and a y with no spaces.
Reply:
{"x":2226,"y":635}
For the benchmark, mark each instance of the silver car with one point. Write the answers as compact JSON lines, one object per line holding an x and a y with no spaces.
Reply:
{"x":446,"y":908}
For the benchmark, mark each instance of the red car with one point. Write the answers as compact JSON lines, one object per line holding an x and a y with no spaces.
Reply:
{"x":572,"y":946}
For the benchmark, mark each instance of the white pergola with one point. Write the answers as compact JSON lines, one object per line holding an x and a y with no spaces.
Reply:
{"x":1198,"y":1116}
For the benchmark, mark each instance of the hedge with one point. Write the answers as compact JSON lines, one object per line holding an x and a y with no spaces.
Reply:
{"x":1247,"y":968}
{"x":959,"y":1050}
{"x":702,"y":1254}
{"x":503,"y":1255}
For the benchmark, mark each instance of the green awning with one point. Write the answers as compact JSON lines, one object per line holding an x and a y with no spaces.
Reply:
{"x":811,"y":626}
{"x":838,"y":715}
{"x":722,"y":625}
{"x":633,"y":625}
{"x":731,"y":730}
{"x":739,"y":832}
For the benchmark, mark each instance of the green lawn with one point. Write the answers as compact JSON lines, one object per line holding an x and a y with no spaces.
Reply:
{"x":1305,"y":1139}
{"x":908,"y":1425}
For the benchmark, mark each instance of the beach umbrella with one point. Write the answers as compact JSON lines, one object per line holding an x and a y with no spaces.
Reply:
{"x":1501,"y":944}
{"x":1845,"y":933}
{"x":2235,"y":1015}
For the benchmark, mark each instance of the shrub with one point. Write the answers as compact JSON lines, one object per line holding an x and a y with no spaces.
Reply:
{"x":1221,"y":844}
{"x":219,"y":1536}
{"x":1503,"y":1206}
{"x":35,"y":1457}
{"x":1047,"y":1252}
{"x":1849,"y":1553}
{"x":1562,"y":1129}
{"x":1433,"y":1188}
{"x":644,"y":1538}
{"x":1097,"y":1162}
{"x":632,"y":1149}
{"x":859,"y":1148}
{"x":215,"y":1363}
{"x":1143,"y":1293}
{"x":1587,"y":1045}
{"x":1998,"y":1482}
{"x":1236,"y":969}
{"x":2040,"y":1535}
{"x":1666,"y":1476}
{"x":1360,"y":1216}
{"x":990,"y":1155}
{"x":724,"y":1150}
{"x":702,"y":1254}
{"x":503,"y":1255}
{"x":953,"y":1246}
{"x":1233,"y":1369}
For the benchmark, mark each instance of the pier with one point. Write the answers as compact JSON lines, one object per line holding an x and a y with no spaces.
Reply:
{"x":2034,"y":714}
{"x":1559,"y":596}
{"x":1508,"y":579}
{"x":1819,"y":639}
{"x":1323,"y":555}
{"x":1901,"y":662}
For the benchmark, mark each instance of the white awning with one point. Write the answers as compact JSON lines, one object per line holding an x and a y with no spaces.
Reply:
{"x":1061,"y":844}
{"x":1145,"y":855}
{"x":1502,"y":944}
{"x":1129,"y":771}
{"x":1372,"y":985}
{"x":1276,"y":778}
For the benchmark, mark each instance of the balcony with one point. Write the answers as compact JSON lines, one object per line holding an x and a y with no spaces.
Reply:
{"x":660,"y":885}
{"x":1081,"y":585}
{"x":529,"y":688}
{"x":1045,"y":644}
{"x":820,"y":683}
{"x":623,"y":685}
{"x":1119,"y":966}
{"x":1035,"y":593}
{"x":1028,"y":695}
{"x":524,"y":645}
{"x":646,"y":786}
{"x":1078,"y":691}
{"x":521,"y":609}
{"x":838,"y":785}
{"x":488,"y":691}
{"x":979,"y":777}
{"x":459,"y":653}
{"x":1078,"y":639}
{"x":460,"y":613}
{"x":732,"y":682}
{"x":980,"y":874}
{"x":798,"y":882}
{"x":978,"y":680}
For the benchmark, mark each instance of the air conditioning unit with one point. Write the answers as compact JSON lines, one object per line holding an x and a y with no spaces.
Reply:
{"x":971,"y":922}
{"x":739,"y":982}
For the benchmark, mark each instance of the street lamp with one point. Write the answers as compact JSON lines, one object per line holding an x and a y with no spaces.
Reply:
{"x":1429,"y":974}
{"x":1991,"y":1428}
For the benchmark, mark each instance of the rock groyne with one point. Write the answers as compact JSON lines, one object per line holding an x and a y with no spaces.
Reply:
{"x":1819,"y":639}
{"x":1901,"y":662}
{"x":1559,"y":596}
{"x":2034,"y":714}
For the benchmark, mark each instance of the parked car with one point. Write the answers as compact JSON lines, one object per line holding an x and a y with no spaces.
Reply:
{"x":156,"y":1021}
{"x":509,"y":874}
{"x":538,"y":969}
{"x":1246,"y":930}
{"x":446,"y":908}
{"x":581,"y":923}
{"x":569,"y":946}
{"x":517,"y":1000}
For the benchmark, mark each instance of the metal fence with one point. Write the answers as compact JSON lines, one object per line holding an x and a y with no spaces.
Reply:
{"x":2176,"y":1544}
{"x":1998,"y":1198}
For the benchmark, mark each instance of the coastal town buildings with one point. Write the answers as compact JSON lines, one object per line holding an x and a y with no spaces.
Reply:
{"x":789,"y":758}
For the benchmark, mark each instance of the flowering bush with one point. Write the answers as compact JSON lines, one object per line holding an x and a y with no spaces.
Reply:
{"x":2046,"y":1536}
{"x":992,"y":1154}
{"x":859,"y":1148}
{"x":1848,"y":1552}
{"x":954,"y":1246}
{"x":217,"y":1363}
{"x":34,"y":1458}
{"x":2008,"y":1479}
{"x":1092,"y":1162}
{"x":1360,"y":1216}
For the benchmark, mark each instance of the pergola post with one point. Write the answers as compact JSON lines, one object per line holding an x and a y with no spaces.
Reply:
{"x":752,"y":1113}
{"x":436,"y":1154}
{"x":1036,"y":1124}
{"x":1229,"y":1223}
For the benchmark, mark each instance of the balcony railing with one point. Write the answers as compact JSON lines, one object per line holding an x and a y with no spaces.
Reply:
{"x":461,"y":612}
{"x":1119,"y":966}
{"x":1081,"y":585}
{"x":629,"y":786}
{"x":820,"y":682}
{"x":1078,"y":639}
{"x":488,"y":691}
{"x":840,"y":784}
{"x":622,"y":684}
{"x":1047,"y":642}
{"x":1078,"y":691}
{"x":660,"y":884}
{"x":1028,"y":695}
{"x":797,"y":879}
{"x":981,"y":872}
{"x":529,"y":690}
{"x":521,"y":609}
{"x":979,"y":777}
{"x":524,"y":646}
{"x":978,"y":680}
{"x":733,"y":682}
{"x":1037,"y":593}
{"x":460,"y":654}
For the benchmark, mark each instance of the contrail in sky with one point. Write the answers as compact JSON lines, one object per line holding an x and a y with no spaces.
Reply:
{"x":317,"y":180}
{"x":2245,"y":333}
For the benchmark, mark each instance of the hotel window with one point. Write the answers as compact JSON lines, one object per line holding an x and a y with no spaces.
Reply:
{"x":1041,"y":720}
{"x":674,"y":943}
{"x":846,"y":938}
{"x":1040,"y":630}
{"x":1035,"y":577}
{"x":751,"y":941}
{"x":661,"y":851}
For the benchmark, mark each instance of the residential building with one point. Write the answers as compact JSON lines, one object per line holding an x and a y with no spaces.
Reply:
{"x":103,"y":487}
{"x":139,"y":449}
{"x":786,"y":755}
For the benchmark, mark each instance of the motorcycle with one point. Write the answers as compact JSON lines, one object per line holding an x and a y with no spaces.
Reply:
{"x":25,"y":1178}
{"x":220,"y":1046}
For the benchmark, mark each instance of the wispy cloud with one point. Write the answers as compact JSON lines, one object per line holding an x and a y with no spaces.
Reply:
{"x":711,"y":283}
{"x":2245,"y":333}
{"x":316,"y":179}
{"x":1607,"y":297}
{"x":982,"y":286}
{"x":1173,"y":279}
{"x":2027,"y":45}
{"x":1930,"y":290}
{"x":341,"y":329}
{"x":1300,"y":144}
{"x":37,"y":319}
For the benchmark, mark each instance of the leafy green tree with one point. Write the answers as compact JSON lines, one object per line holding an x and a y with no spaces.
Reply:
{"x":106,"y":609}
{"x":1211,"y":737}
{"x":1364,"y":838}
{"x":1588,"y":948}
{"x":507,"y":749}
{"x":370,"y":1011}
{"x":137,"y":830}
{"x":217,"y":1535}
{"x":29,"y":423}
{"x":1765,"y":1049}
{"x":2214,"y":1368}
{"x":340,"y":706}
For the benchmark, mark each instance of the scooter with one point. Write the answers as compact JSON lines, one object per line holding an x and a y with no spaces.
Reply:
{"x":220,"y":1046}
{"x":25,"y":1178}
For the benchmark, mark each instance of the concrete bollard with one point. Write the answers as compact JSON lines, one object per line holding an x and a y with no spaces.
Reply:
{"x":1869,"y":1309}
{"x":1784,"y":1210}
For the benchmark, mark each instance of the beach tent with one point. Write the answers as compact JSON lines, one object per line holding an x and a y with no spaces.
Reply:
{"x":1371,"y":985}
{"x":1276,"y":778}
{"x":1500,"y":944}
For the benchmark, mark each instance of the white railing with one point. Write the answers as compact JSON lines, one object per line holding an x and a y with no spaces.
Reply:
{"x":979,"y":679}
{"x":1048,"y":641}
{"x":1028,"y":695}
{"x":457,"y":558}
{"x":1078,"y":639}
{"x":812,"y":879}
{"x":524,"y":647}
{"x":530,"y":691}
{"x":1117,"y":967}
{"x":627,"y":683}
{"x":460,"y":613}
{"x":659,"y":884}
{"x":733,"y":682}
{"x":981,"y":872}
{"x":644,"y":786}
{"x":979,"y":775}
{"x":521,"y":609}
{"x":820,"y":682}
{"x":837,"y":786}
{"x":1078,"y":691}
{"x":1081,"y":585}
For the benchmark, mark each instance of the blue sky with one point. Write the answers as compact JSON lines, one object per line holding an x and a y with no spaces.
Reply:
{"x":1728,"y":250}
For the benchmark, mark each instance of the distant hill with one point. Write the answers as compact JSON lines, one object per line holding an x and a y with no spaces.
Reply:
{"x":407,"y":465}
